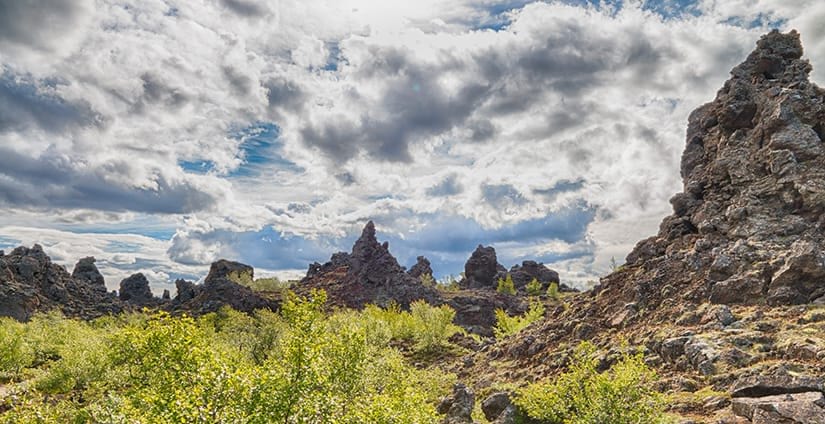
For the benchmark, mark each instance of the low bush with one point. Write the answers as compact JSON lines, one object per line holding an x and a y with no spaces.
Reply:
{"x":622,"y":395}
{"x":533,"y":288}
{"x":506,"y":286}
{"x":553,"y":291}
{"x":507,"y":325}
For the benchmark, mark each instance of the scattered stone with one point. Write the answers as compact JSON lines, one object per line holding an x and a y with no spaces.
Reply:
{"x":458,"y":407}
{"x":495,"y":405}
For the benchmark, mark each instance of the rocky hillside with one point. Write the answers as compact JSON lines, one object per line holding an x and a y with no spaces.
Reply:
{"x":724,"y":298}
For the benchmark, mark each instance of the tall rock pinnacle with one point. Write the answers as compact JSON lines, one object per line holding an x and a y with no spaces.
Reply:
{"x":748,"y":226}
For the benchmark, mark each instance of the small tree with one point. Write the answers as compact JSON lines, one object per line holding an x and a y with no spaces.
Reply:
{"x":533,"y":287}
{"x":506,"y":286}
{"x":427,"y":280}
{"x":553,"y":291}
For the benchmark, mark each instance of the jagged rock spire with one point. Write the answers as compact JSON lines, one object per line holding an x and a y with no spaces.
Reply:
{"x":754,"y":188}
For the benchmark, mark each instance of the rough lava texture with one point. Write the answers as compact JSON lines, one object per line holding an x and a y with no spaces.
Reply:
{"x":482,"y":270}
{"x":421,"y":267}
{"x":135,"y":290}
{"x":748,"y":227}
{"x":30,"y":283}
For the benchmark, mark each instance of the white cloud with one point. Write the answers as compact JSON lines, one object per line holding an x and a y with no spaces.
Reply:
{"x":385,"y":109}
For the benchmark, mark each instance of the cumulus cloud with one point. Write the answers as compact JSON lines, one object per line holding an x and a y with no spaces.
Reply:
{"x":269,"y":130}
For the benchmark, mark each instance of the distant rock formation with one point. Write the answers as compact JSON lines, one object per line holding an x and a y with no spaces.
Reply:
{"x":529,"y":270}
{"x":482,"y":270}
{"x":87,"y":270}
{"x":218,"y":290}
{"x":135,"y":290}
{"x":30,"y":283}
{"x":369,"y":274}
{"x":421,"y":267}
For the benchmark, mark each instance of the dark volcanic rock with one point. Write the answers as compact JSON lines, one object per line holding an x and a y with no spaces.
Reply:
{"x":186,"y":291}
{"x":370,"y":274}
{"x":748,"y":227}
{"x":223,"y":268}
{"x":135,"y":290}
{"x":421,"y":267}
{"x":87,"y":270}
{"x":458,"y":407}
{"x":219,"y":290}
{"x":30,"y":282}
{"x":528,"y":270}
{"x":482,"y":270}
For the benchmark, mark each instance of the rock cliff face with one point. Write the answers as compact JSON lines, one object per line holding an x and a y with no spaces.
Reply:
{"x":748,"y":227}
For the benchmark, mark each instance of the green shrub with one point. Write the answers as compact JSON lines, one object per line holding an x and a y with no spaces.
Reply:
{"x":427,"y":280}
{"x":506,"y":286}
{"x":582,"y":395}
{"x":507,"y":325}
{"x":15,"y":352}
{"x":553,"y":291}
{"x":260,"y":284}
{"x":448,"y":284}
{"x":533,"y":288}
{"x":433,"y":325}
{"x":300,"y":365}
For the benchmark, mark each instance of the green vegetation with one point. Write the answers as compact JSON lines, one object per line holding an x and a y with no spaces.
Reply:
{"x":533,"y":288}
{"x":621,"y":395}
{"x":506,"y":286}
{"x":507,"y":325}
{"x":427,"y":280}
{"x":300,"y":365}
{"x":259,"y":284}
{"x":553,"y":291}
{"x":449,"y":284}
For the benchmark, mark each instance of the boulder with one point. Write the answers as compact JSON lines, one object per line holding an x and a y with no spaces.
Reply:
{"x":482,"y":270}
{"x":135,"y":290}
{"x":85,"y":269}
{"x":458,"y":407}
{"x":223,"y":268}
{"x":789,"y":408}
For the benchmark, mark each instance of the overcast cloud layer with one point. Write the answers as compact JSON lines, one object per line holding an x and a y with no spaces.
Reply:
{"x":162,"y":135}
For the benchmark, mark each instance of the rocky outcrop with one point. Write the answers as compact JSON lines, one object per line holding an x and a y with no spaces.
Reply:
{"x":135,"y":290}
{"x":220,"y":289}
{"x":482,"y":270}
{"x":748,"y":226}
{"x":30,"y":282}
{"x":369,"y":274}
{"x":87,"y":270}
{"x":224,"y":269}
{"x":529,"y":270}
{"x":421,"y":267}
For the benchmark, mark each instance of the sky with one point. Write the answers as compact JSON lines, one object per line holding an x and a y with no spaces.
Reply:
{"x":161,"y":135}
